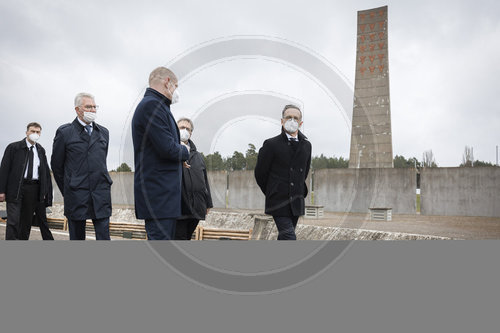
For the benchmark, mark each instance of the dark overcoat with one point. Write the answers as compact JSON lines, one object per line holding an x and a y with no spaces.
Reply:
{"x":79,"y":166}
{"x":281,"y":173}
{"x":14,"y":162}
{"x":196,"y":196}
{"x":158,"y":157}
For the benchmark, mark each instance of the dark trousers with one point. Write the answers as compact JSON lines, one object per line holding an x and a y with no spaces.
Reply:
{"x":160,"y":229}
{"x":185,"y":228}
{"x":20,"y":214}
{"x":286,"y":227}
{"x":77,"y":229}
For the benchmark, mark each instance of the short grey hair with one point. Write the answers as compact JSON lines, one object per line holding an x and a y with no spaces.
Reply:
{"x":78,"y":98}
{"x":290,"y":106}
{"x":161,"y":73}
{"x":188,"y":120}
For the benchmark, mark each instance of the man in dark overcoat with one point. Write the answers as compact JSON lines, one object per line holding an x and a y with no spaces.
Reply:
{"x":196,"y":197}
{"x":78,"y":162}
{"x":158,"y":157}
{"x":26,"y":185}
{"x":281,"y":171}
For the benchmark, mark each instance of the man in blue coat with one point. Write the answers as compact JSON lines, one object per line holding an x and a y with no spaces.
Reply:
{"x":79,"y":165}
{"x":158,"y":155}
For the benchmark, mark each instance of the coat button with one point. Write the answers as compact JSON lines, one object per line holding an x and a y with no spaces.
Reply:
{"x":291,"y":184}
{"x":291,"y":169}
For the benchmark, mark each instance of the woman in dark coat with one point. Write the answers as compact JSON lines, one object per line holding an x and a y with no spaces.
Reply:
{"x":196,"y":197}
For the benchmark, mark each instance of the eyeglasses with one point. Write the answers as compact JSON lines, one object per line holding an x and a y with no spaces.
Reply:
{"x":90,"y":107}
{"x":290,"y":117}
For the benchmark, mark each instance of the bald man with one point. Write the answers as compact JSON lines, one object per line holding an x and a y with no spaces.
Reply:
{"x":158,"y":155}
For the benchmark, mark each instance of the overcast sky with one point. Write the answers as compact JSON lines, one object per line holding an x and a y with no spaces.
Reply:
{"x":443,"y":64}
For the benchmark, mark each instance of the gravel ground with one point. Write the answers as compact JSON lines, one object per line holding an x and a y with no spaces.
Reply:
{"x":459,"y":227}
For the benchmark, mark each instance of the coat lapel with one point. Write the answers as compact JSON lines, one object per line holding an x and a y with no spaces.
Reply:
{"x":81,"y":130}
{"x":95,"y":136}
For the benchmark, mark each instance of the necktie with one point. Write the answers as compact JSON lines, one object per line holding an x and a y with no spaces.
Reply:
{"x":29,"y":176}
{"x":88,"y":128}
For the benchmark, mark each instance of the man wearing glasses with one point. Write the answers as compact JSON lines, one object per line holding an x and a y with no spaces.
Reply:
{"x":282,"y":167}
{"x":79,"y":165}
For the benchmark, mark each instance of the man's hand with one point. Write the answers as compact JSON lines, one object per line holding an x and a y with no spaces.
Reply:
{"x":2,"y":197}
{"x":208,"y":210}
{"x":186,"y":165}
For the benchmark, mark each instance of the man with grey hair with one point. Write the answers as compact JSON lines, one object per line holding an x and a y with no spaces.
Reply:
{"x":158,"y":157}
{"x":78,"y":162}
{"x":196,"y":197}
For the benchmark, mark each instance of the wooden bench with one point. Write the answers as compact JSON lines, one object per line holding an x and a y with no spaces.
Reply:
{"x":381,"y":214}
{"x":57,"y":223}
{"x":124,"y":230}
{"x":202,"y":233}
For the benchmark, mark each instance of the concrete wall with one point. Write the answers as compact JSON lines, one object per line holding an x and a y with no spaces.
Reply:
{"x":244,"y":193}
{"x":335,"y":189}
{"x":122,"y":190}
{"x":218,"y":185}
{"x":356,"y":190}
{"x":444,"y":191}
{"x":460,"y":191}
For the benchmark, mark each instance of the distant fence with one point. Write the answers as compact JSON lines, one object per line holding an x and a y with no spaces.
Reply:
{"x":444,"y":191}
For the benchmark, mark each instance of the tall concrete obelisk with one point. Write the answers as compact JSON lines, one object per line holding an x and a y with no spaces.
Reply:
{"x":371,"y":135}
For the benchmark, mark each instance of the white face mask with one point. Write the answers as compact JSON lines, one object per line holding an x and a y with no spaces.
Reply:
{"x":89,"y":117}
{"x":34,"y":137}
{"x":175,"y":95}
{"x":184,"y":135}
{"x":291,"y":126}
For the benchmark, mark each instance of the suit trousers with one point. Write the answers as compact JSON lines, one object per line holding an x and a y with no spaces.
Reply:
{"x":286,"y":227}
{"x":160,"y":229}
{"x":20,"y":214}
{"x":77,"y":229}
{"x":185,"y":228}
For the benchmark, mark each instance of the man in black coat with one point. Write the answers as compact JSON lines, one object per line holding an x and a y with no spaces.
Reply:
{"x":196,"y":197}
{"x":282,"y":168}
{"x":79,"y":165}
{"x":26,"y":185}
{"x":158,"y":157}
